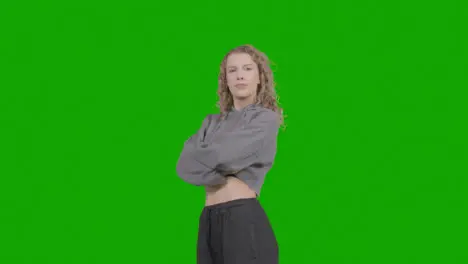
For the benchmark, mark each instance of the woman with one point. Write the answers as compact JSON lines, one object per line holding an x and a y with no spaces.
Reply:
{"x":230,"y":156}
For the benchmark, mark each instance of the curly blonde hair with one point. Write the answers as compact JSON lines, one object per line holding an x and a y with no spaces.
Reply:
{"x":266,"y":94}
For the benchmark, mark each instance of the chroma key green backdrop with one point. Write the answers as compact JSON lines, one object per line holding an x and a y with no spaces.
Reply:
{"x":97,"y":98}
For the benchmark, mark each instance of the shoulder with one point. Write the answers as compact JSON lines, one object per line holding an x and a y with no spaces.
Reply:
{"x":261,"y":113}
{"x":264,"y":117}
{"x":211,"y":118}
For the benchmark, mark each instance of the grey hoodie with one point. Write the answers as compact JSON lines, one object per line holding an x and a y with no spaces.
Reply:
{"x":242,"y":144}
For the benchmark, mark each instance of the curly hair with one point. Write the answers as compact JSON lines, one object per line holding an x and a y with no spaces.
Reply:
{"x":266,"y":95}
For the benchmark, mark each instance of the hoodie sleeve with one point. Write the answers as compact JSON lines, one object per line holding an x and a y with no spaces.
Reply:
{"x":233,"y":151}
{"x":191,"y":168}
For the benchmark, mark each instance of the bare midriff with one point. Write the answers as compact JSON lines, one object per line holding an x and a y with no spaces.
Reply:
{"x":233,"y":189}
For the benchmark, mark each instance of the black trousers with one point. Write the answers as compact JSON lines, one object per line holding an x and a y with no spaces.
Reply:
{"x":236,"y":232}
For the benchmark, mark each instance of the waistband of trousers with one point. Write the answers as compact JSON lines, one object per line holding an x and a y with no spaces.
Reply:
{"x":233,"y":203}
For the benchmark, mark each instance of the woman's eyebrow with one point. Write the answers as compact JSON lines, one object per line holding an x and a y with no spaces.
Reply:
{"x":248,"y":64}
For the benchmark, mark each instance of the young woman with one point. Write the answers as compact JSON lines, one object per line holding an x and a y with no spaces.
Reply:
{"x":230,"y":156}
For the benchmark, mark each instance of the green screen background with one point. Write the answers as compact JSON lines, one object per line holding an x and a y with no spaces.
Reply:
{"x":97,"y":99}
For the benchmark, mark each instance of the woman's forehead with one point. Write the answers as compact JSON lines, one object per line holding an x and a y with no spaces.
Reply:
{"x":239,"y":58}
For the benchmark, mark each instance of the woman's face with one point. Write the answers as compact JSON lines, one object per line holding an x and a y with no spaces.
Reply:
{"x":242,"y":76}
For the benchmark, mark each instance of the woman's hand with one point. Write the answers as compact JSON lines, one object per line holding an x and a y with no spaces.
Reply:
{"x":214,"y":188}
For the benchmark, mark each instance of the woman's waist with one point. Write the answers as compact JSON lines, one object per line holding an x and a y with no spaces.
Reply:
{"x":233,"y":189}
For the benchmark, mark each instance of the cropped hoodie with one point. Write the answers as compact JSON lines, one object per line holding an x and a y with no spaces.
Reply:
{"x":242,"y":143}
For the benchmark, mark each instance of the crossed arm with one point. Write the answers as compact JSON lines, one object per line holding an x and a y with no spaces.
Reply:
{"x":230,"y":152}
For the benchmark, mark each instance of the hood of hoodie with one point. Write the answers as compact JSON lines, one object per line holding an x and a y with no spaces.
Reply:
{"x":234,"y":112}
{"x":245,"y":109}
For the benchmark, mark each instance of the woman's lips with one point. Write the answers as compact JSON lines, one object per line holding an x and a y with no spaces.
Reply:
{"x":241,"y":85}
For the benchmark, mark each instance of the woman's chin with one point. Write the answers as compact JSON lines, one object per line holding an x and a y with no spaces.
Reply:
{"x":242,"y":96}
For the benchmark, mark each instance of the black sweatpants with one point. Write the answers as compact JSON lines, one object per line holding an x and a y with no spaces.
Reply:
{"x":236,"y":232}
